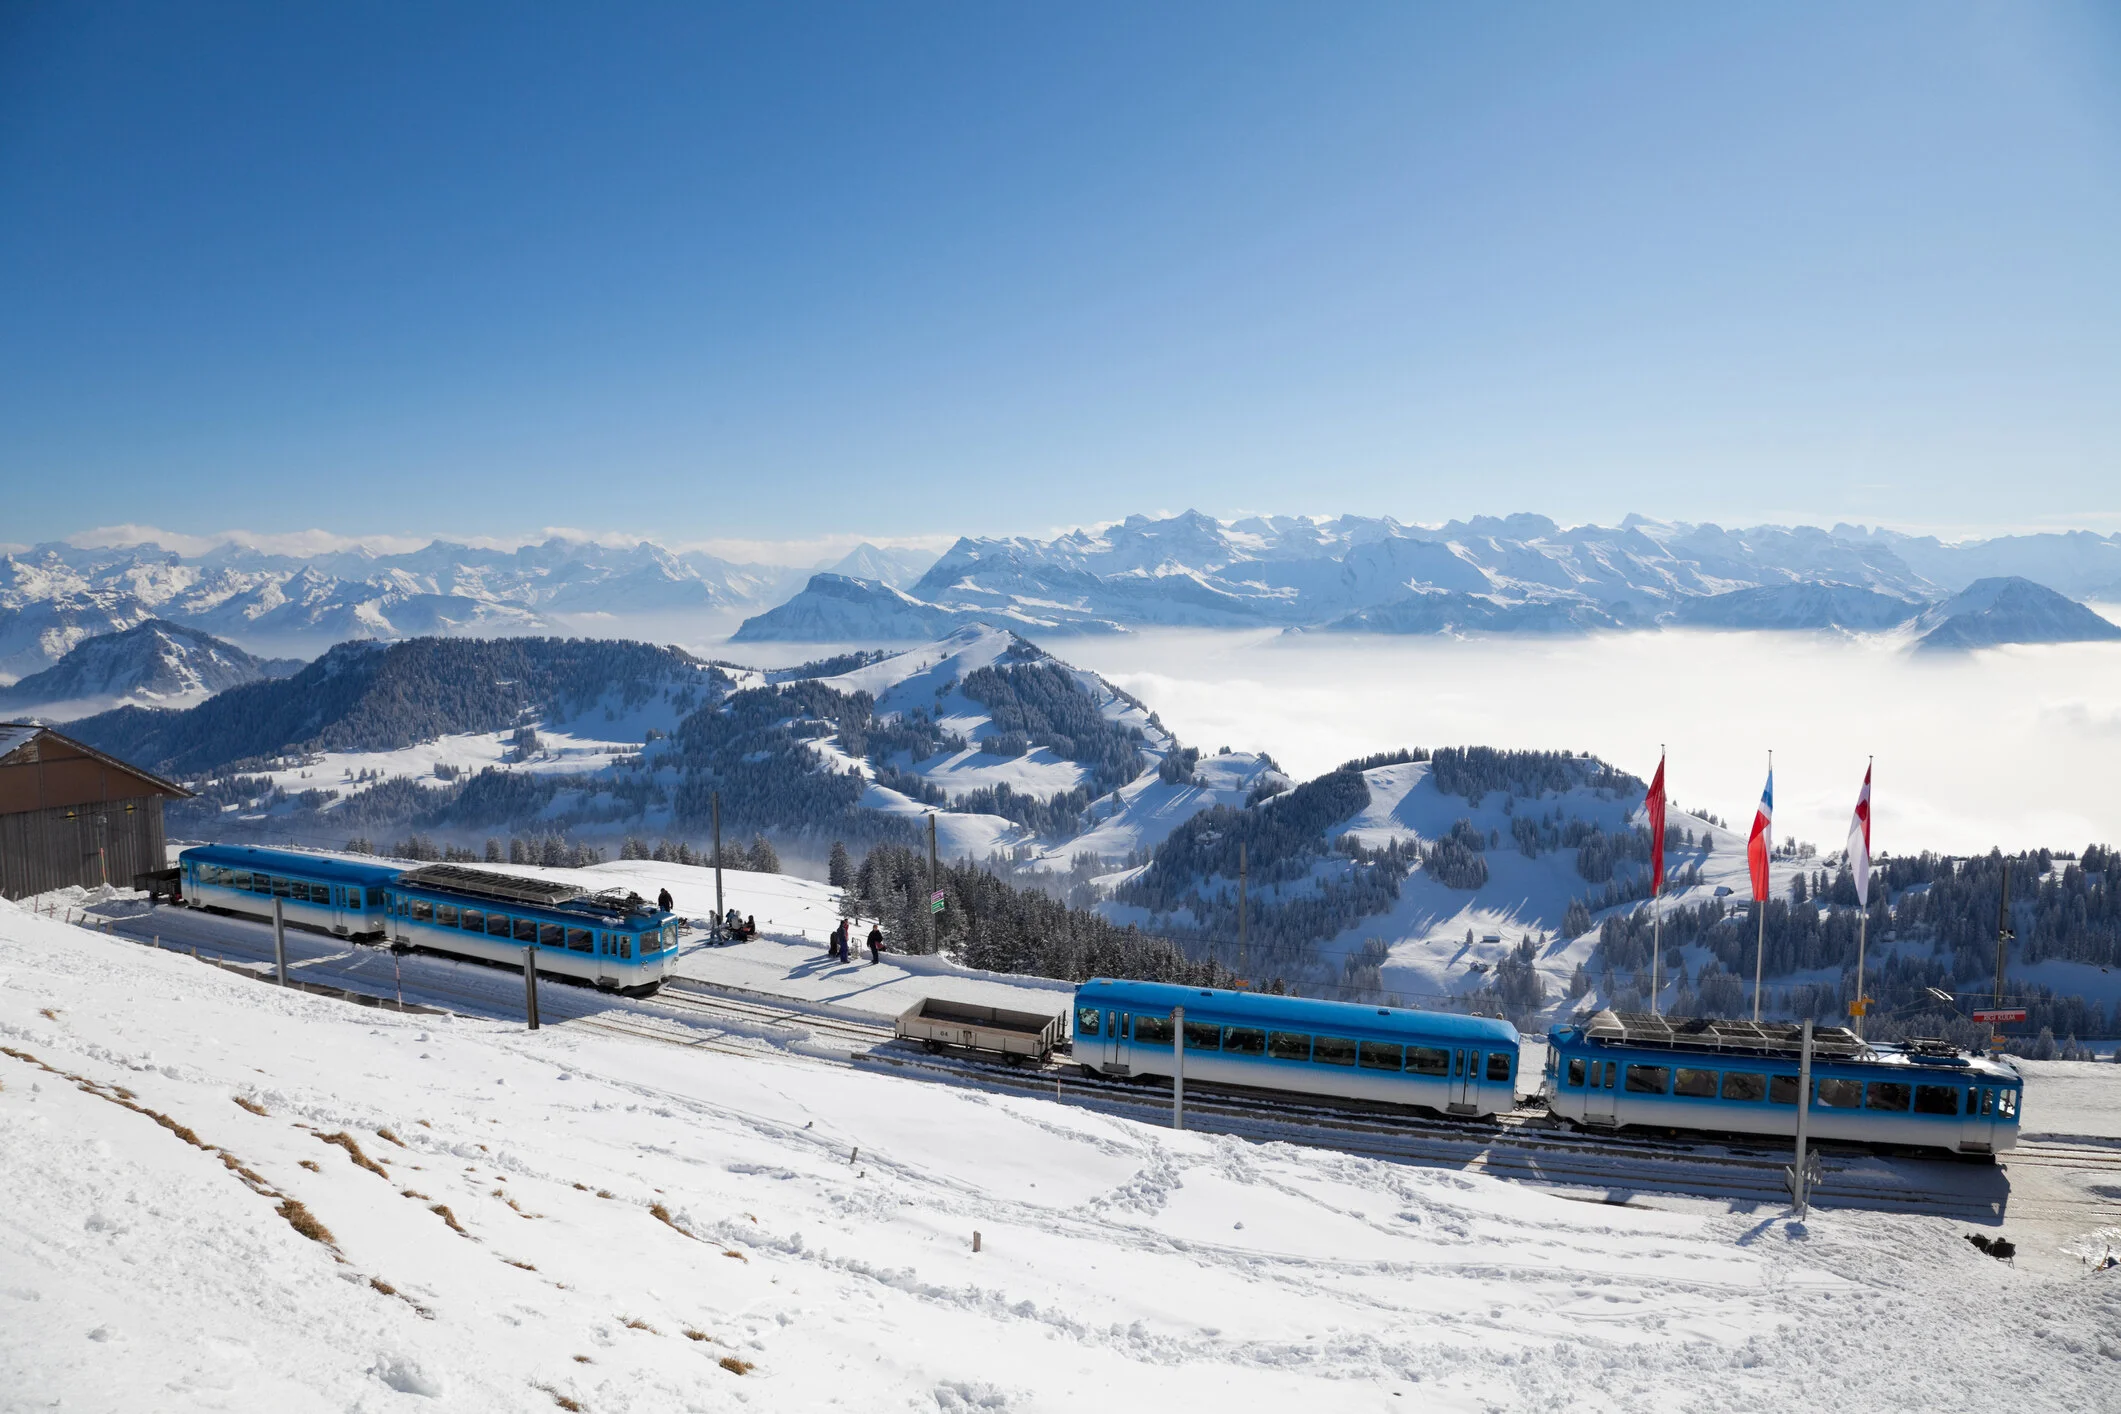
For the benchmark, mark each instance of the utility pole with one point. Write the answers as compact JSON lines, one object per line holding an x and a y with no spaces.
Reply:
{"x":1243,"y":924}
{"x":279,"y":939}
{"x":2003,"y":929}
{"x":716,"y":800}
{"x":530,"y":985}
{"x":1178,"y":1070}
{"x":1800,"y":1174}
{"x":933,"y":909}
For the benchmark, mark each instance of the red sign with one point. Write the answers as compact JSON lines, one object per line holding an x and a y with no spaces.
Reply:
{"x":2001,"y":1014}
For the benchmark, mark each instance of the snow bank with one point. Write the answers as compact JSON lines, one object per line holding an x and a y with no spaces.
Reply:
{"x":200,"y":1208}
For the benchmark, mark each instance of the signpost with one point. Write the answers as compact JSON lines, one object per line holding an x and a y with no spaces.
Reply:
{"x":1803,"y":1175}
{"x":2000,"y":1013}
{"x":935,"y":901}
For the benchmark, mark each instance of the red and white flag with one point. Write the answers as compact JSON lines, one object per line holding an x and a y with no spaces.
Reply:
{"x":1655,"y":802}
{"x":1762,"y":843}
{"x":1860,"y":842}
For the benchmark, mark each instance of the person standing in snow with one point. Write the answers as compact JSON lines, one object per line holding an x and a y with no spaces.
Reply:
{"x":665,"y":902}
{"x":876,"y":942}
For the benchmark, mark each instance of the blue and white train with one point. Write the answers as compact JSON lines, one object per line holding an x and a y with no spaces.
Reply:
{"x":613,"y":940}
{"x":1460,"y":1065}
{"x":1741,"y":1077}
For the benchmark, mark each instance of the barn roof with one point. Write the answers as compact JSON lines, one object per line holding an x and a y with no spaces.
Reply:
{"x":24,"y":744}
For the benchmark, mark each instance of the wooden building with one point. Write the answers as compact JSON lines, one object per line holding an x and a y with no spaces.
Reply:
{"x":71,"y":815}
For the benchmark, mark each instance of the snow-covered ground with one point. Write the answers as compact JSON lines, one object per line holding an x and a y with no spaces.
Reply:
{"x":563,"y":1219}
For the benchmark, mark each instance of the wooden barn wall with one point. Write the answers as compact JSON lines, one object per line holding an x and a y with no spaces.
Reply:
{"x":42,"y":850}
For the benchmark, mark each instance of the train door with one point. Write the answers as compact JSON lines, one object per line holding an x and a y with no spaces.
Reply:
{"x":1123,"y":1043}
{"x":1977,"y":1125}
{"x":343,"y":919}
{"x":1465,"y":1080}
{"x":1600,"y":1093}
{"x":607,"y":959}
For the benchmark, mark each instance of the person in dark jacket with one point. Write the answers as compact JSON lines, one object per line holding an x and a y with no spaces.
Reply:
{"x":664,"y":901}
{"x":876,"y":942}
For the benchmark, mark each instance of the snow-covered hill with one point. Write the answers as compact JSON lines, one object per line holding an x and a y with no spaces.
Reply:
{"x":1991,"y":612}
{"x":216,"y":1194}
{"x":155,"y":664}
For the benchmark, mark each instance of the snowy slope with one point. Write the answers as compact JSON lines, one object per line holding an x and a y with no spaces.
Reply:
{"x":608,"y":1200}
{"x":1989,"y":612}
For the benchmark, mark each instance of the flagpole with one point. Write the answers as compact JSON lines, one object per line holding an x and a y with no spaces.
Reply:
{"x":1760,"y":907}
{"x":1863,"y":923}
{"x":1657,"y":918}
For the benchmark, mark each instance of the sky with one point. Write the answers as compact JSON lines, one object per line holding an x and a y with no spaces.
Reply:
{"x":819,"y":273}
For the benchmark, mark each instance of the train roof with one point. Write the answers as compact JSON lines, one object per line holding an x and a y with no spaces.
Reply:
{"x":334,"y":867}
{"x":1266,"y":1008}
{"x":520,"y":893}
{"x":1764,"y":1038}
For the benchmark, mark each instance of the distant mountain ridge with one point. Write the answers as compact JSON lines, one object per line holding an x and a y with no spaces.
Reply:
{"x":155,"y":663}
{"x":1515,"y":574}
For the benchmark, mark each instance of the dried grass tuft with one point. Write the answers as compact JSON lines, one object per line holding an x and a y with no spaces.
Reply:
{"x":514,"y":1263}
{"x":735,"y":1366}
{"x":573,"y":1406}
{"x":441,"y":1210}
{"x":352,"y":1147}
{"x":245,"y":1102}
{"x":303,"y":1221}
{"x":732,"y":1252}
{"x":634,"y":1323}
{"x":310,"y":1164}
{"x":47,"y":1013}
{"x":662,"y":1215}
{"x":691,"y":1334}
{"x":385,"y":1133}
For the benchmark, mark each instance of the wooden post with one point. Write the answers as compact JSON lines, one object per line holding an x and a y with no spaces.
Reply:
{"x":716,"y":798}
{"x":279,"y":939}
{"x":1178,"y":1070}
{"x":530,"y":984}
{"x":934,"y":929}
{"x":1243,"y":926}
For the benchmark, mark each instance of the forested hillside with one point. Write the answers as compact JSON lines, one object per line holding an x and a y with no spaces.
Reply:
{"x":366,"y":696}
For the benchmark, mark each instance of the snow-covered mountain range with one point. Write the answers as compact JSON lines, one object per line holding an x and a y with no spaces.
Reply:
{"x":56,"y":595}
{"x":1488,"y":575}
{"x":1521,"y":573}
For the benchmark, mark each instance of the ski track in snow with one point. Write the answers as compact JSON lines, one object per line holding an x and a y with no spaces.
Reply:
{"x":138,"y":1270}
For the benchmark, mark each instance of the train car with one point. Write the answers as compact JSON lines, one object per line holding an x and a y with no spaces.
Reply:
{"x":1741,"y":1077}
{"x":1460,"y":1065}
{"x":332,"y":894}
{"x":615,"y":941}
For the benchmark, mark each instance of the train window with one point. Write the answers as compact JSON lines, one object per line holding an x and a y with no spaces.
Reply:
{"x":551,"y":935}
{"x":1088,"y":1021}
{"x":524,"y":930}
{"x":578,"y":940}
{"x":240,"y":881}
{"x":472,"y":920}
{"x":1152,"y":1030}
{"x":1782,"y":1090}
{"x":1383,"y":1055}
{"x":2006,"y":1103}
{"x":375,"y":895}
{"x":1988,"y":1101}
{"x":626,"y":946}
{"x":670,"y":934}
{"x":1701,"y":1084}
{"x":1649,"y":1080}
{"x":1833,"y":1094}
{"x":1244,"y":1041}
{"x":1498,"y":1065}
{"x":1575,"y":1081}
{"x":422,"y":911}
{"x":1288,"y":1045}
{"x":1936,"y":1099}
{"x":1427,"y":1060}
{"x":1888,"y":1095}
{"x":1742,"y":1085}
{"x":499,"y":925}
{"x":1203,"y":1036}
{"x":1333,"y":1050}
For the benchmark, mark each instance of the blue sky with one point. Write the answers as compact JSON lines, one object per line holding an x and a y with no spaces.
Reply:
{"x":799,"y":271}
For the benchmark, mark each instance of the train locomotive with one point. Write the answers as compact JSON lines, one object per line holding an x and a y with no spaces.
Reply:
{"x":611,"y":940}
{"x":1454,"y":1064}
{"x":1741,"y":1077}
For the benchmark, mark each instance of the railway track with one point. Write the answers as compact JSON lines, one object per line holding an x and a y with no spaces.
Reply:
{"x":1523,"y":1145}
